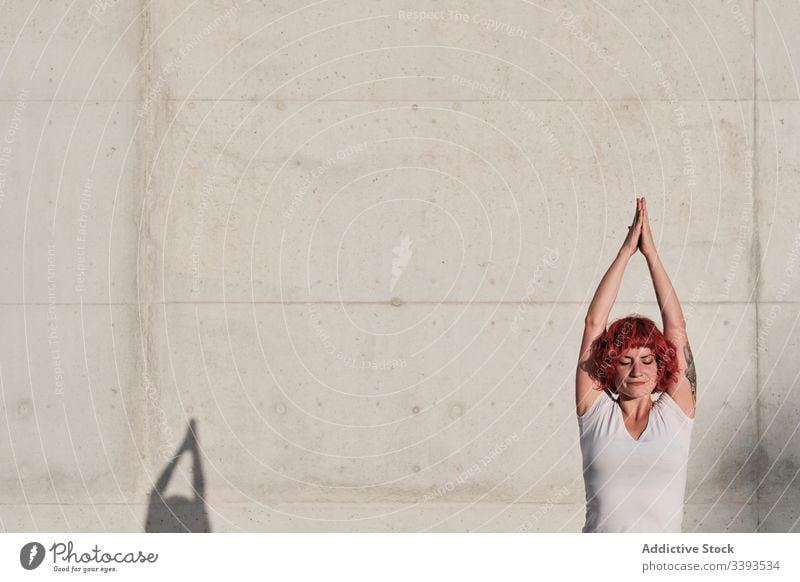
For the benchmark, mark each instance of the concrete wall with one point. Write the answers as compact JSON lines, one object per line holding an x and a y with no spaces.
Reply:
{"x":355,"y":243}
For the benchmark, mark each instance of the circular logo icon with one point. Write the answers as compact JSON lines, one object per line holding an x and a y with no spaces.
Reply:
{"x":31,"y":555}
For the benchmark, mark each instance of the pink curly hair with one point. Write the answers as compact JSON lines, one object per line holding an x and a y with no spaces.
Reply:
{"x":633,"y":331}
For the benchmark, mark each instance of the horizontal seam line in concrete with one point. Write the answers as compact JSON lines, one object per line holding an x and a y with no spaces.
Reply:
{"x":354,"y":302}
{"x":400,"y":100}
{"x":533,"y":100}
{"x":328,"y":502}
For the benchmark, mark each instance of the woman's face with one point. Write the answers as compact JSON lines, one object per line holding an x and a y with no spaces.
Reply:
{"x":635,"y":372}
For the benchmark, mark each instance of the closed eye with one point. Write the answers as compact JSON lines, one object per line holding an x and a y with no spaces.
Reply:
{"x":626,"y":362}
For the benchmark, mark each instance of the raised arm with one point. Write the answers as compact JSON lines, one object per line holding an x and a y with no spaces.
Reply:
{"x":668,"y":304}
{"x":684,"y":391}
{"x":599,"y":309}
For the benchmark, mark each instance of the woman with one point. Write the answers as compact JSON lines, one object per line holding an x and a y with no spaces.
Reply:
{"x":635,"y":450}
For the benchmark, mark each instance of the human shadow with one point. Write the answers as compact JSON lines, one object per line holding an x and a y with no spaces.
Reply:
{"x":177,"y":513}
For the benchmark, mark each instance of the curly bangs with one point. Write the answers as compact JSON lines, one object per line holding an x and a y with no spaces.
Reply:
{"x":634,"y":331}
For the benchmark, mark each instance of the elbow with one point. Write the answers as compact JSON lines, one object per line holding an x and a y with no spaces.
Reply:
{"x":593,"y":322}
{"x":674,"y":322}
{"x":675,"y":329}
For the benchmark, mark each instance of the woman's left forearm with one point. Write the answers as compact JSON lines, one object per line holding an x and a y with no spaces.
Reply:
{"x":668,"y":304}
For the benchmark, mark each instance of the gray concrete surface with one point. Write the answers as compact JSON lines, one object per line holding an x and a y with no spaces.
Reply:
{"x":355,"y":242}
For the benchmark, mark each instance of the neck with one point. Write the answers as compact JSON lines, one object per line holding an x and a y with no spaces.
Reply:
{"x":636,"y":407}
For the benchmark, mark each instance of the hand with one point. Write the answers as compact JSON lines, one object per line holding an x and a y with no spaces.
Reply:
{"x":647,"y":245}
{"x":634,"y":231}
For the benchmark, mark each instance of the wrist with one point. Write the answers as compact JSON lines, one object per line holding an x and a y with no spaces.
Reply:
{"x":651,"y":257}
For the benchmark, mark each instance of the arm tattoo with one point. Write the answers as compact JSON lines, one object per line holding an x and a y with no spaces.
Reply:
{"x":690,"y":372}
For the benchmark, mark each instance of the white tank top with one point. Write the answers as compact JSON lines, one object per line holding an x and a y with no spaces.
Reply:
{"x":634,"y":486}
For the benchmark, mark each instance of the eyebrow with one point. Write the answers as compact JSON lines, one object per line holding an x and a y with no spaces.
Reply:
{"x":644,"y":356}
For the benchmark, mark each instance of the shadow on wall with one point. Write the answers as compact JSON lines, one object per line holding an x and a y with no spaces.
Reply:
{"x":176,"y":513}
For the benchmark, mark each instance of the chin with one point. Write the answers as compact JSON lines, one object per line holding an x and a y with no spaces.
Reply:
{"x":636,"y":391}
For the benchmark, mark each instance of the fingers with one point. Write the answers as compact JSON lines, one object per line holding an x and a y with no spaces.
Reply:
{"x":640,"y":219}
{"x":641,"y":209}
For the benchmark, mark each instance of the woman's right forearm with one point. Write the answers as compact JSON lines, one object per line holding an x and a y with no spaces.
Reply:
{"x":606,"y":293}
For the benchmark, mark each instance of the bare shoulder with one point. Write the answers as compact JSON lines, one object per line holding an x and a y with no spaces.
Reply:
{"x":587,"y":389}
{"x":684,"y":390}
